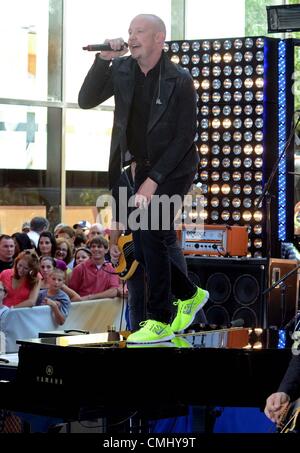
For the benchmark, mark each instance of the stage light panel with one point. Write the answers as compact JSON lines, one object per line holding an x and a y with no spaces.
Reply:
{"x":230,"y":78}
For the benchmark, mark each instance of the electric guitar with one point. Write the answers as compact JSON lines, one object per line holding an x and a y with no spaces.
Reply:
{"x":290,"y":421}
{"x":127,"y":263}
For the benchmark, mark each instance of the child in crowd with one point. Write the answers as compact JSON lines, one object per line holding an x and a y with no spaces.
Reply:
{"x":47,"y":264}
{"x":82,"y":254}
{"x":55,"y":297}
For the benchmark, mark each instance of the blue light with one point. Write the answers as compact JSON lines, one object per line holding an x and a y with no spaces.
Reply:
{"x":281,"y":339}
{"x":281,"y":140}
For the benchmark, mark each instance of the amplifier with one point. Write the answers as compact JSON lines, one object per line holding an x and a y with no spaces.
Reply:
{"x":214,"y":240}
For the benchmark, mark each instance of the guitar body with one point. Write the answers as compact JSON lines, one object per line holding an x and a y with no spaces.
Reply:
{"x":290,"y":422}
{"x":127,"y":263}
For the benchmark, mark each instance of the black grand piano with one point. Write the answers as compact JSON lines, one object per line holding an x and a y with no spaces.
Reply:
{"x":68,"y":376}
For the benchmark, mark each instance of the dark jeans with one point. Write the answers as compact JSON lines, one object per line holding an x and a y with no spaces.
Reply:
{"x":153,"y":248}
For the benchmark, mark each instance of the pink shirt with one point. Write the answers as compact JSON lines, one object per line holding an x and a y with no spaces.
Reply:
{"x":14,"y":296}
{"x":87,"y":279}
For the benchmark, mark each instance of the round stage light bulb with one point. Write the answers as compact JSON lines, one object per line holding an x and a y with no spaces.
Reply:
{"x":175,"y":59}
{"x":215,"y":189}
{"x":195,"y":72}
{"x":248,"y":109}
{"x":238,"y":56}
{"x":236,"y":189}
{"x":247,"y":176}
{"x":249,"y":43}
{"x":225,"y":189}
{"x":226,"y":123}
{"x":248,"y":56}
{"x":257,"y":229}
{"x":204,"y":149}
{"x":215,"y":176}
{"x":257,"y":243}
{"x":248,"y":83}
{"x":214,"y":202}
{"x":238,"y":70}
{"x":258,"y":216}
{"x":215,"y":162}
{"x":215,"y":149}
{"x":216,"y":110}
{"x":196,"y":46}
{"x":227,"y":72}
{"x":236,"y":216}
{"x":205,"y":84}
{"x":195,"y":58}
{"x":227,"y":57}
{"x":175,"y":47}
{"x":238,"y":43}
{"x":215,"y":123}
{"x":226,"y":150}
{"x":236,"y":202}
{"x":225,"y":202}
{"x":237,"y":149}
{"x":185,"y":46}
{"x":237,"y":110}
{"x":258,"y":176}
{"x":247,"y":162}
{"x":248,"y":149}
{"x":247,"y":189}
{"x":185,"y":59}
{"x":205,"y":45}
{"x":214,"y":215}
{"x":226,"y":176}
{"x":247,"y":216}
{"x":236,"y":176}
{"x":248,"y":70}
{"x":215,"y":136}
{"x":225,"y":215}
{"x":216,"y":71}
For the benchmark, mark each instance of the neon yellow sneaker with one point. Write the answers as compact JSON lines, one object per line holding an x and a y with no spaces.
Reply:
{"x":180,"y":342}
{"x":163,"y":344}
{"x":187,"y":310}
{"x":151,"y":332}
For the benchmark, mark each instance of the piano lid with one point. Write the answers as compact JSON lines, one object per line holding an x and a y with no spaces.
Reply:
{"x":231,"y":338}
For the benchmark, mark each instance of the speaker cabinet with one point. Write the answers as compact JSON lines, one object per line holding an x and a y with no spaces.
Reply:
{"x":282,"y":300}
{"x":235,"y":286}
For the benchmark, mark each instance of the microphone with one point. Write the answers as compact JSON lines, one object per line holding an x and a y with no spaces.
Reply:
{"x":99,"y":47}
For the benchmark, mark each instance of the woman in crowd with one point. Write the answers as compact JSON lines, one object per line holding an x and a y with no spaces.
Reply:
{"x":22,"y":282}
{"x":46,"y":244}
{"x":22,"y":242}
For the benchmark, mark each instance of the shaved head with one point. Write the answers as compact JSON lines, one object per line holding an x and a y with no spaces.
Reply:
{"x":157,"y":22}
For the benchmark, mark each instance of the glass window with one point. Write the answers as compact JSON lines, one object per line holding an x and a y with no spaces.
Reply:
{"x":87,"y":139}
{"x":24,"y":49}
{"x":217,"y":19}
{"x":23,"y":137}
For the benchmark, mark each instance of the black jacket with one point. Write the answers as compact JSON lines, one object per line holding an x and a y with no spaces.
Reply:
{"x":290,"y":383}
{"x":172,"y":124}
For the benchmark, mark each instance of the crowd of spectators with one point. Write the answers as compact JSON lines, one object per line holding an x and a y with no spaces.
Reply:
{"x":40,"y":267}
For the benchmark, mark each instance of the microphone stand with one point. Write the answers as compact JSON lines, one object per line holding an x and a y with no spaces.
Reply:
{"x":267,"y":195}
{"x":280,"y":282}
